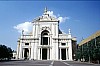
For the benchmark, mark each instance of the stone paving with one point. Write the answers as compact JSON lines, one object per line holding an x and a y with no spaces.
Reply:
{"x":45,"y":63}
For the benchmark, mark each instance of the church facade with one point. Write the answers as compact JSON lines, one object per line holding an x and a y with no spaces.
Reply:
{"x":46,"y":41}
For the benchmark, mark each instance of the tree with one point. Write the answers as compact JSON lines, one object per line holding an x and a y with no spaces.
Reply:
{"x":90,"y":51}
{"x":79,"y":53}
{"x":5,"y":52}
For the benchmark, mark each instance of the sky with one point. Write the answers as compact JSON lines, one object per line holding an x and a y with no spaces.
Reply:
{"x":82,"y":17}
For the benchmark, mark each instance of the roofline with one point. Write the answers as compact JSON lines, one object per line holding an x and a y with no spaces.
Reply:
{"x":90,"y":38}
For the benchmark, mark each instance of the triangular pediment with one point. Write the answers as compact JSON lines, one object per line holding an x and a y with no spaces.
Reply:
{"x":46,"y":17}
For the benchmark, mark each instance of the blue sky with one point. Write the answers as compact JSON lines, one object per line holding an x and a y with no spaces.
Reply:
{"x":84,"y":17}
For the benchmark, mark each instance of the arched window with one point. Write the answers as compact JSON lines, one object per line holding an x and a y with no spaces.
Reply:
{"x":45,"y":37}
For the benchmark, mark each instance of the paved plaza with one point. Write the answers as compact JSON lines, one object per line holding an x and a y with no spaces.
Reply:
{"x":45,"y":63}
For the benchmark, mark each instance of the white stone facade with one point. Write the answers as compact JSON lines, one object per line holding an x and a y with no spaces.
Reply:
{"x":46,"y":42}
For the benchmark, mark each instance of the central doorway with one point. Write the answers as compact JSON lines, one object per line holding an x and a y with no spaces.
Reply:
{"x":26,"y":53}
{"x":63,"y":53}
{"x":44,"y":54}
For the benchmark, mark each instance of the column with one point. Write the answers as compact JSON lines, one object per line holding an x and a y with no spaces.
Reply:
{"x":70,"y":50}
{"x":29,"y":53}
{"x":56,"y":50}
{"x":20,"y":51}
{"x":41,"y":53}
{"x":66,"y":54}
{"x":32,"y":51}
{"x":47,"y":53}
{"x":18,"y":47}
{"x":38,"y":53}
{"x":60,"y":54}
{"x":23,"y":53}
{"x":50,"y":53}
{"x":35,"y":49}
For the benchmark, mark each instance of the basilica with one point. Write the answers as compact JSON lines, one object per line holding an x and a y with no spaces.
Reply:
{"x":46,"y":41}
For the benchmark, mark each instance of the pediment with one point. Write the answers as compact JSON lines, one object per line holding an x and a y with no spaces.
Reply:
{"x":46,"y":17}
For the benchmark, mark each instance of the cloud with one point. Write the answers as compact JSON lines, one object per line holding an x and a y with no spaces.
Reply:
{"x":26,"y":26}
{"x":60,"y":18}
